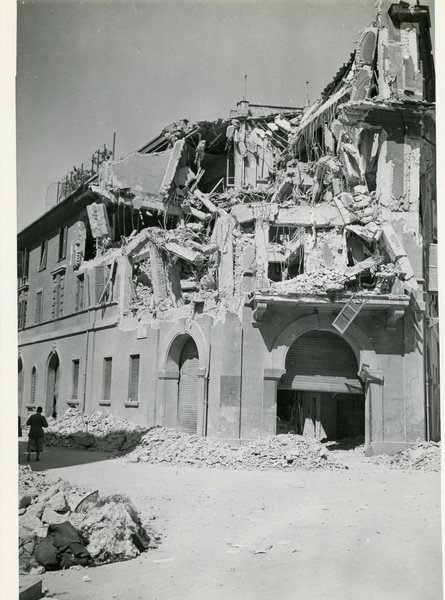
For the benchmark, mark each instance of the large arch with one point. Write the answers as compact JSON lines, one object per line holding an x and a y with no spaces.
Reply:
{"x":171,"y":353}
{"x":275,"y":363}
{"x":52,"y":384}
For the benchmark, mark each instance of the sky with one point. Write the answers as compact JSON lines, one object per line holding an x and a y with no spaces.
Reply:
{"x":88,"y":68}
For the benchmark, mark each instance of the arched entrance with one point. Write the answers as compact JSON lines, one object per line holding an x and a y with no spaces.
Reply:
{"x":20,"y":383}
{"x":320,"y":394}
{"x":52,"y":386}
{"x":188,"y":387}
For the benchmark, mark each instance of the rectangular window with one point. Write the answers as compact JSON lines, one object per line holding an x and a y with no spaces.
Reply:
{"x":33,"y":386}
{"x":43,"y":254}
{"x":133,"y":380}
{"x":58,"y":293}
{"x":75,"y":378}
{"x":80,"y":291}
{"x":21,"y":309}
{"x":104,"y":285}
{"x":63,"y":238}
{"x":107,"y":379}
{"x":39,"y":307}
{"x":22,"y":264}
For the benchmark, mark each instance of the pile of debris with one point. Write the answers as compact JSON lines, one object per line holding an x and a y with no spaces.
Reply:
{"x":290,"y":452}
{"x":97,"y":431}
{"x":424,"y":456}
{"x":61,"y":525}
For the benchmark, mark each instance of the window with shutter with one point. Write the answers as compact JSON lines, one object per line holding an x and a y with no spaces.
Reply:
{"x":80,"y":286}
{"x":33,"y":385}
{"x":39,"y":307}
{"x":22,"y":307}
{"x":133,"y":381}
{"x":63,"y":237}
{"x":58,"y":293}
{"x":107,"y":379}
{"x":75,"y":378}
{"x":43,"y":254}
{"x":20,"y":269}
{"x":100,"y":282}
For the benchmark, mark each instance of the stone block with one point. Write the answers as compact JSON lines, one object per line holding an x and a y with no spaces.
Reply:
{"x":29,"y":522}
{"x":51,"y":516}
{"x":58,"y":503}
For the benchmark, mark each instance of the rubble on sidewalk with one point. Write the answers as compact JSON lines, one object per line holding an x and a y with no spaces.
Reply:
{"x":110,"y":527}
{"x":424,"y":456}
{"x":288,"y":452}
{"x":97,"y":431}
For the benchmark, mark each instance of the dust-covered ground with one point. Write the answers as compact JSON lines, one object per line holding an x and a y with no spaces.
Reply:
{"x":367,"y":532}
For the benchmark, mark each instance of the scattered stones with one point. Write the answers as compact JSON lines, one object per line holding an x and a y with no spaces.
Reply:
{"x":97,"y":431}
{"x":291,"y":452}
{"x":111,"y":527}
{"x":424,"y":456}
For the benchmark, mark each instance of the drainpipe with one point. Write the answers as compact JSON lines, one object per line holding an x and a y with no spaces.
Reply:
{"x":85,"y":368}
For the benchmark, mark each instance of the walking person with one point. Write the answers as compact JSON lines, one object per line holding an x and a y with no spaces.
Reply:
{"x":35,"y":439}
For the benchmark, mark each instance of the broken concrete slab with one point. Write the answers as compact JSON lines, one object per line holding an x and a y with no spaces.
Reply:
{"x":187,"y":254}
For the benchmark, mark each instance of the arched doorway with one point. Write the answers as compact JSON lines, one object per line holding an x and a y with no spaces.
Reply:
{"x":320,"y":394}
{"x":52,"y":386}
{"x":20,"y":383}
{"x":188,"y":387}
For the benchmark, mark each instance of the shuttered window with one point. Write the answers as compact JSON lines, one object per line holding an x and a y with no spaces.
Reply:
{"x":75,"y":378}
{"x":22,"y":307}
{"x":188,"y":388}
{"x":58,"y":293}
{"x":43,"y":254}
{"x":63,"y":238}
{"x":133,"y":380}
{"x":100,"y":282}
{"x":32,"y":399}
{"x":39,"y":307}
{"x":107,"y":378}
{"x":80,"y":291}
{"x":318,"y":359}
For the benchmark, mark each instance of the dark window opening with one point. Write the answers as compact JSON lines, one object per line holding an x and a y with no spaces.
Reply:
{"x":106,"y":386}
{"x":63,"y":239}
{"x":75,"y":391}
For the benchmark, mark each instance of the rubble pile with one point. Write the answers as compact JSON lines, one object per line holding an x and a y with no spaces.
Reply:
{"x":97,"y":431}
{"x":110,"y":528}
{"x":290,"y":452}
{"x":424,"y":456}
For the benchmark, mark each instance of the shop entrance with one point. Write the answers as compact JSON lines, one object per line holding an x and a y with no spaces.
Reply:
{"x":320,"y":395}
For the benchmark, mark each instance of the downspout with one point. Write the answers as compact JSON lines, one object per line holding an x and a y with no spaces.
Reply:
{"x":426,"y":381}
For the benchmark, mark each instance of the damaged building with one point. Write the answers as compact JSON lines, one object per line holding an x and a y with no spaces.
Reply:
{"x":272,"y":271}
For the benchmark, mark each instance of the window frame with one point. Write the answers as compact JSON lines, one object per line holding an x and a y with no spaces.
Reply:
{"x":133,"y":388}
{"x":107,"y":381}
{"x":75,"y":378}
{"x":63,"y":242}
{"x":43,"y":254}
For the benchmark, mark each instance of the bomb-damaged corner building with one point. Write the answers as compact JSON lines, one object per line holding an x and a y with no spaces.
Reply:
{"x":274,"y":271}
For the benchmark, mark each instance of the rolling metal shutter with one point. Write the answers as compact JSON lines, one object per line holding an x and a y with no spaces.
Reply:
{"x":323,"y":361}
{"x":188,"y":388}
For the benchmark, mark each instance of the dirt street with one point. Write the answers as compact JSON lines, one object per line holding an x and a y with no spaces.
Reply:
{"x":368,"y":532}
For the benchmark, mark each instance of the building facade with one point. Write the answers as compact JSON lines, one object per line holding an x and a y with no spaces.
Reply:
{"x":274,"y":271}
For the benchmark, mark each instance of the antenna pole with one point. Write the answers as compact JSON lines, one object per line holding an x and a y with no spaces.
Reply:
{"x":307,"y":93}
{"x":245,"y":88}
